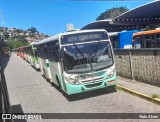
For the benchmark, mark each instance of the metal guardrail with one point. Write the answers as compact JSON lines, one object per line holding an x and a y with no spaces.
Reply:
{"x":4,"y":97}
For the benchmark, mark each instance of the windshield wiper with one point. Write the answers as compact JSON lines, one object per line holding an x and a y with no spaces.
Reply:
{"x":81,"y":53}
{"x":78,"y":49}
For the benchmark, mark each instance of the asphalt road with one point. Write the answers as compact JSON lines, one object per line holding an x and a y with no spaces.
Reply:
{"x":29,"y":92}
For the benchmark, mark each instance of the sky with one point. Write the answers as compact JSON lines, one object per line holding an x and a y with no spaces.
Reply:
{"x":52,"y":16}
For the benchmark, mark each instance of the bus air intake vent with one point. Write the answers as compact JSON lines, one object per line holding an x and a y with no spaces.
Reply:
{"x":93,"y":85}
{"x":99,"y":73}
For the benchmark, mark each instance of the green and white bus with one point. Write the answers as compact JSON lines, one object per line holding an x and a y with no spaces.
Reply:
{"x":78,"y":61}
{"x":30,"y":55}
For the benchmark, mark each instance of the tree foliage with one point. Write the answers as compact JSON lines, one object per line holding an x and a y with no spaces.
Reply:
{"x":112,"y":13}
{"x":17,"y":41}
{"x":14,"y":44}
{"x":17,"y":37}
{"x":32,"y":30}
{"x":2,"y":44}
{"x":6,"y":34}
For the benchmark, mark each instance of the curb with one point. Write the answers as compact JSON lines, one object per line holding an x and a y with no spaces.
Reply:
{"x":154,"y":100}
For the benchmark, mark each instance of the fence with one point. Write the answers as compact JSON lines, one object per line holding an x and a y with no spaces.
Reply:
{"x":139,"y":64}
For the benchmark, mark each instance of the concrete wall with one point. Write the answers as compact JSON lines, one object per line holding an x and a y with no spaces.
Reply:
{"x":139,"y":64}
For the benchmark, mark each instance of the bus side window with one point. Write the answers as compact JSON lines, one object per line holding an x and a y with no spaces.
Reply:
{"x":114,"y":41}
{"x":158,"y":40}
{"x":37,"y":51}
{"x":42,"y":52}
{"x":138,"y":42}
{"x":148,"y":41}
{"x":50,"y":51}
{"x":153,"y":41}
{"x":55,"y":51}
{"x":45,"y":51}
{"x":36,"y":55}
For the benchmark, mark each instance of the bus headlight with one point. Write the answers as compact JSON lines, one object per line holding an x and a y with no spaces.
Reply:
{"x":71,"y":80}
{"x":111,"y":73}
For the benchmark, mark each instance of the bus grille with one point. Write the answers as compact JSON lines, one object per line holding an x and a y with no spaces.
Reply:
{"x":99,"y":73}
{"x":93,"y":74}
{"x":95,"y":80}
{"x":93,"y":85}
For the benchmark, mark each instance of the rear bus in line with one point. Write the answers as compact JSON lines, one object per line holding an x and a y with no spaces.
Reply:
{"x":78,"y":61}
{"x":17,"y":51}
{"x":30,"y":55}
{"x":147,"y":39}
{"x":122,"y":40}
{"x":22,"y":52}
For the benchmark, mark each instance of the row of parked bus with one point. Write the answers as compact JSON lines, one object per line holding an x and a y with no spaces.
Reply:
{"x":29,"y":53}
{"x":136,"y":39}
{"x":75,"y":61}
{"x":83,"y":60}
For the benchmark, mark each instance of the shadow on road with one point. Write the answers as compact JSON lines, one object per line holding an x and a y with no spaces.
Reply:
{"x":38,"y":70}
{"x":18,"y":109}
{"x":87,"y":94}
{"x":90,"y":94}
{"x":4,"y":59}
{"x":84,"y":95}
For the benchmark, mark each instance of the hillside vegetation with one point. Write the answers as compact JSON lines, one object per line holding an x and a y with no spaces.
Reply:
{"x":14,"y":37}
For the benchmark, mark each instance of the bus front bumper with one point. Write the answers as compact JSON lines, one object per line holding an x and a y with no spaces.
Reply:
{"x":79,"y":88}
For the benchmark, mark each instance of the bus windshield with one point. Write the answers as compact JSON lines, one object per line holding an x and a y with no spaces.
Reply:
{"x":81,"y":58}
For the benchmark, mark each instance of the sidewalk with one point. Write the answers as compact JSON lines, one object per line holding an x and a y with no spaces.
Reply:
{"x":140,"y":89}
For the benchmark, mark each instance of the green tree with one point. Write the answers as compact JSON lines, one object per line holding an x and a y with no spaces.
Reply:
{"x":17,"y":41}
{"x":112,"y":13}
{"x":6,"y":34}
{"x":12,"y":44}
{"x":19,"y":31}
{"x":32,"y":30}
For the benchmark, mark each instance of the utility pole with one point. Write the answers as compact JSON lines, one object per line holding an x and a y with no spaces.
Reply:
{"x":1,"y":31}
{"x":2,"y":26}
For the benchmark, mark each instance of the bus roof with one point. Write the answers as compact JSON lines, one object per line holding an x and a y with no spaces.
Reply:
{"x":113,"y":33}
{"x":146,"y":32}
{"x":56,"y":37}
